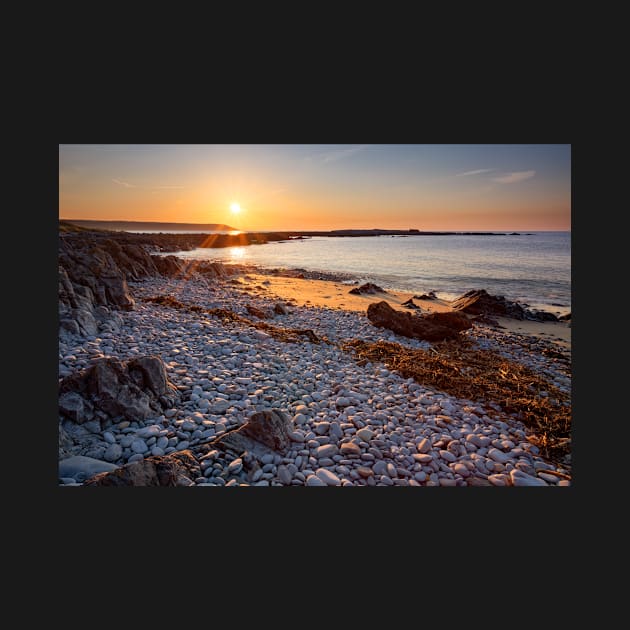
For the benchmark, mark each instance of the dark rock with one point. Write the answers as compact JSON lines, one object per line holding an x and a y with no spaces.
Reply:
{"x":486,"y":319}
{"x":70,"y":325}
{"x":426,"y":296}
{"x":169,"y":265}
{"x":270,"y":428}
{"x":565,"y":318}
{"x":162,"y":470}
{"x":542,"y":316}
{"x":431,"y":327}
{"x":136,"y":389}
{"x":74,"y":407}
{"x":480,"y":302}
{"x":213,"y":270}
{"x":256,"y":312}
{"x":367,"y":289}
{"x":410,"y":304}
{"x":280,"y":309}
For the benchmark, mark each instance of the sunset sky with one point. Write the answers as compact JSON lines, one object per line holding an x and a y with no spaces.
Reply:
{"x":321,"y":187}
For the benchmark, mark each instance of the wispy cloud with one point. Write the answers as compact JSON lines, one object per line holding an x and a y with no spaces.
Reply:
{"x":124,"y":184}
{"x":128,"y":185}
{"x":512,"y":178}
{"x":341,"y":154}
{"x":476,"y":172}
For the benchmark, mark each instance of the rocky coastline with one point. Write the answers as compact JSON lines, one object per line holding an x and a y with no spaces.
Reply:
{"x":178,"y":373}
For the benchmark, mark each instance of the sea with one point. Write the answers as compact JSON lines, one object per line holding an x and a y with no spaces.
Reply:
{"x":530,"y":268}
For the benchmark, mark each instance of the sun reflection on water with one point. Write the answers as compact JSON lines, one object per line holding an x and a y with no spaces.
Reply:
{"x":237,"y":253}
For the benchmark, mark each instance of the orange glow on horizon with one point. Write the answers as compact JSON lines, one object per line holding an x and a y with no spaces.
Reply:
{"x":317,"y":187}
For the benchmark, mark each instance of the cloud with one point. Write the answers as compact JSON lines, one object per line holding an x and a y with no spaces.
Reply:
{"x":477,"y":172}
{"x":340,"y":154}
{"x":512,"y":178}
{"x":125,"y":184}
{"x":152,"y":188}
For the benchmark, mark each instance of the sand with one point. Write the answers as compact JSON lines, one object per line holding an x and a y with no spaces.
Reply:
{"x":335,"y":295}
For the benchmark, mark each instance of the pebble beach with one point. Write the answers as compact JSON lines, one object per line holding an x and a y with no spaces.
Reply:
{"x":353,"y":424}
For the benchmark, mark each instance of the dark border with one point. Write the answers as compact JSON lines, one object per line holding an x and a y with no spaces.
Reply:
{"x":424,"y":517}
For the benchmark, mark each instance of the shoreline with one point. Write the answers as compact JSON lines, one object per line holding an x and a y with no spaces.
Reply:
{"x":351,"y":422}
{"x":335,"y":294}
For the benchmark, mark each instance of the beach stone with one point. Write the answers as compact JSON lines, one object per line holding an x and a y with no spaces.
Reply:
{"x":365,"y":434}
{"x":350,"y":448}
{"x":499,"y":480}
{"x":328,"y":477}
{"x":313,"y":480}
{"x":498,"y":456}
{"x":380,"y":467}
{"x":284,"y":475}
{"x":548,"y":478}
{"x":81,"y":468}
{"x":113,"y":453}
{"x":327,"y":450}
{"x":519,"y":478}
{"x":235,"y":466}
{"x":446,"y":482}
{"x":424,"y":446}
{"x":109,"y":437}
{"x":448,"y":456}
{"x":139,"y":446}
{"x":423,"y":458}
{"x":365,"y":472}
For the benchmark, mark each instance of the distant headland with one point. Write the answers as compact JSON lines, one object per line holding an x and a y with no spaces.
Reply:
{"x":201,"y":228}
{"x":138,"y":226}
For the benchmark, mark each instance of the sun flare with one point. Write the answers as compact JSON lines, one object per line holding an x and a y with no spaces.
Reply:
{"x":235,"y":208}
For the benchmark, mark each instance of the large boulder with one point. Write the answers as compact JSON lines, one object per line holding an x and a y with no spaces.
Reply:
{"x":431,"y":327}
{"x":134,"y":390}
{"x":80,"y":468}
{"x":480,"y":302}
{"x":270,"y":429}
{"x":175,"y":469}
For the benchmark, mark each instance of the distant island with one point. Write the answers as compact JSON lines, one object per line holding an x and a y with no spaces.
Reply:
{"x":138,"y":226}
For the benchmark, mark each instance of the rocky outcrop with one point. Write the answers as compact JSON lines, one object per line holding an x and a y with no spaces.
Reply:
{"x":169,"y":265}
{"x":367,"y":289}
{"x":410,"y":304}
{"x":175,"y":469}
{"x":134,"y":390}
{"x":565,"y":318}
{"x":431,"y":327}
{"x":480,"y":302}
{"x":94,"y":271}
{"x":426,"y":296}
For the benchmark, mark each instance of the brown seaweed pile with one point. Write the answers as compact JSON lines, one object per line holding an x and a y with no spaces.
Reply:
{"x":460,"y":370}
{"x":287,"y":335}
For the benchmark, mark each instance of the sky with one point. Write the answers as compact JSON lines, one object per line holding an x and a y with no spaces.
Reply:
{"x":321,"y":186}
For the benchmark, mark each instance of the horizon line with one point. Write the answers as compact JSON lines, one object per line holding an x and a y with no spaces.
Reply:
{"x":316,"y":230}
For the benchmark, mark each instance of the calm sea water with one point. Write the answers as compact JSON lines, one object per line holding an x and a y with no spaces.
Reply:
{"x":530,"y":268}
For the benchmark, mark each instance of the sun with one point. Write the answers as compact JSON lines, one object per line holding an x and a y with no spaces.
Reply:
{"x":235,"y":207}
